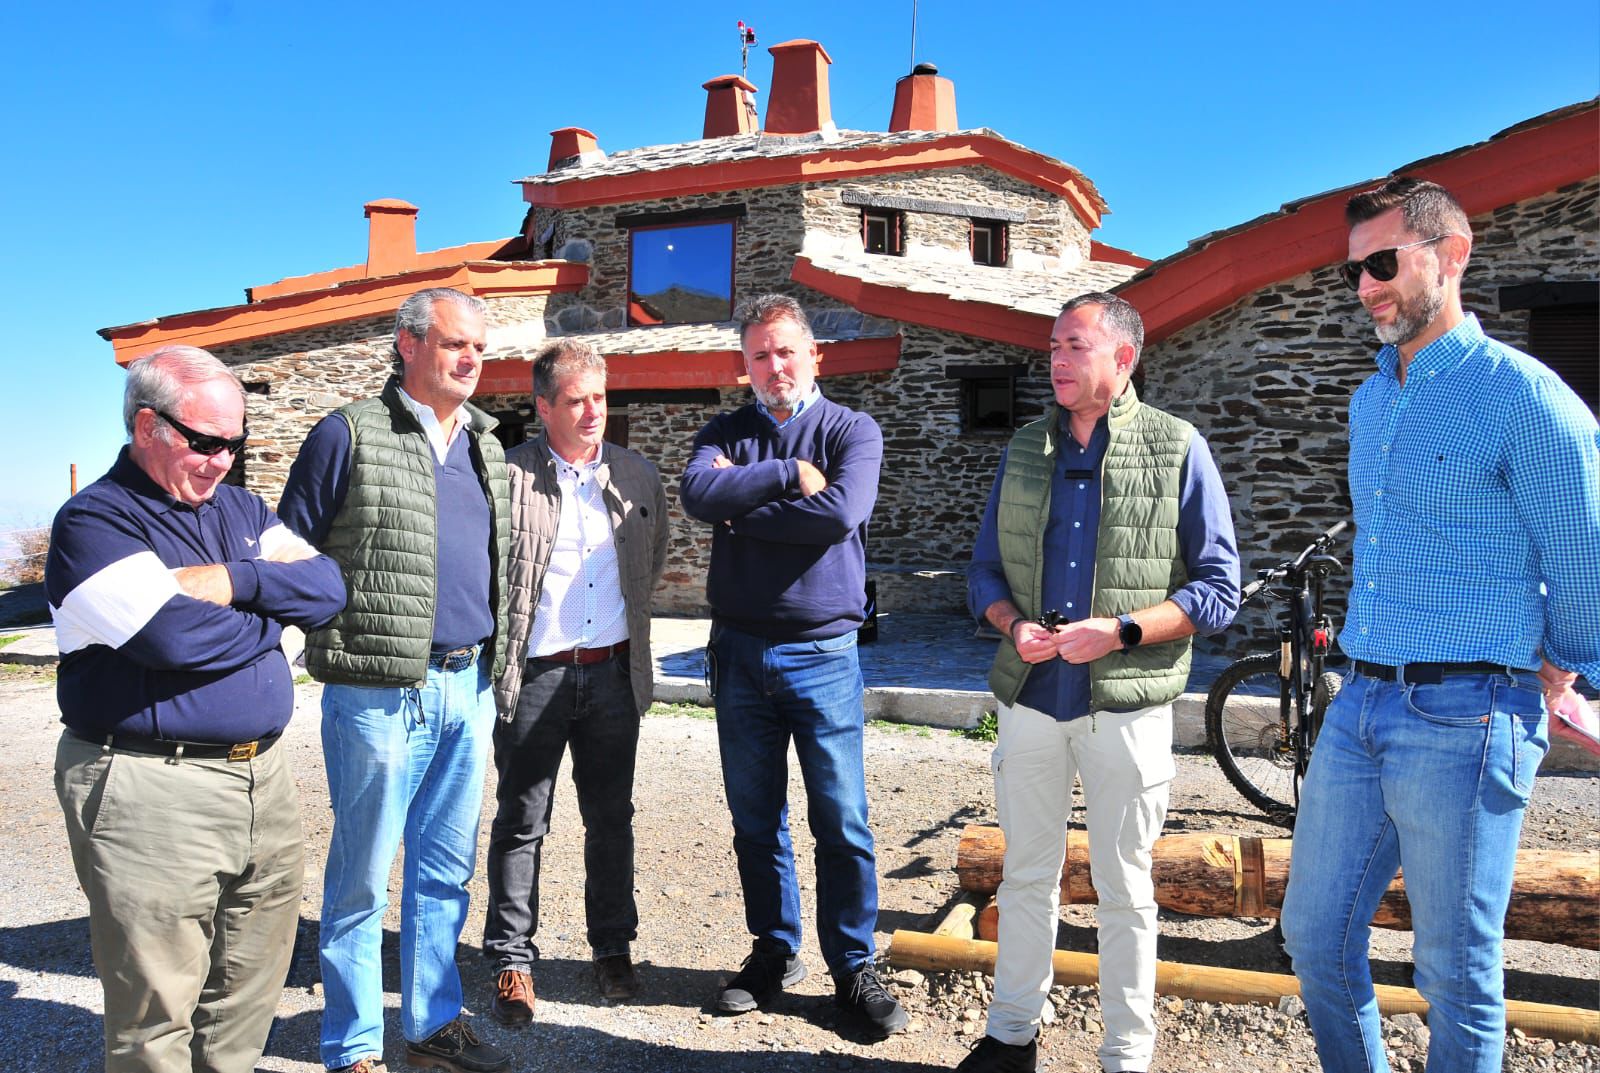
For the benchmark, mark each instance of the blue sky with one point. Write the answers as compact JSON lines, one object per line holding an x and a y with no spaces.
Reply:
{"x":165,"y":155}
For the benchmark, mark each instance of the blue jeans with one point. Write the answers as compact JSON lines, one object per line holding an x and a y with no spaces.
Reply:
{"x":767,"y":693}
{"x":402,"y":763}
{"x":1434,"y":779}
{"x":591,"y":709}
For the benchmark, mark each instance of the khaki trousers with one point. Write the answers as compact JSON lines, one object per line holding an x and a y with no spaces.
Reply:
{"x":1124,"y":762}
{"x":193,"y":871}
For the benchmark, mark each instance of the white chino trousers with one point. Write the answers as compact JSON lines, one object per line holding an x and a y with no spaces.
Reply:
{"x":1124,"y":761}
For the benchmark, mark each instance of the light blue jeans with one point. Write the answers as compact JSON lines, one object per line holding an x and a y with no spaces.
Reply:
{"x":402,"y":763}
{"x":1433,"y":779}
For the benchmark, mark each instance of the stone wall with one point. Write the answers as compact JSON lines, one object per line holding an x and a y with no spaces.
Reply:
{"x":1268,"y":380}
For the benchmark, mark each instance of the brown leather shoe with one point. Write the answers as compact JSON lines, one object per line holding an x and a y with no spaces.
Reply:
{"x":369,"y":1064}
{"x":513,"y":997}
{"x":615,"y":977}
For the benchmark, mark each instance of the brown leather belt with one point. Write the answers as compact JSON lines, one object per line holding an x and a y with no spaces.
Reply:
{"x":582,"y":657}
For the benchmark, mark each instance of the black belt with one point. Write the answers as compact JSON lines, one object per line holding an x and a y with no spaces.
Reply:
{"x":184,"y":750}
{"x":1430,"y":674}
{"x":457,"y":659}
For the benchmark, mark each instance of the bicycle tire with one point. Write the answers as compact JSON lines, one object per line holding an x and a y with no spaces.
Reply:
{"x":1249,"y":743}
{"x":1327,"y":687}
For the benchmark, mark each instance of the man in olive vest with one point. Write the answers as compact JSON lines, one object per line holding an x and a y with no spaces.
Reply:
{"x":1106,"y":544}
{"x":408,"y":493}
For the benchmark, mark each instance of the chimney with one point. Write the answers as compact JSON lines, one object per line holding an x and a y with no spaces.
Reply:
{"x":572,"y":145}
{"x":391,"y":236}
{"x":799,"y":102}
{"x":728,"y":107}
{"x":924,"y":101}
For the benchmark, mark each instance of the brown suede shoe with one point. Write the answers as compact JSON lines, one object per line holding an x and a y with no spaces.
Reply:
{"x":369,"y":1064}
{"x":513,"y":997}
{"x":615,"y":977}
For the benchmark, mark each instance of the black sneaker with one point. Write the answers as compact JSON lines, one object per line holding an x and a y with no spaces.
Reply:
{"x":863,"y":994}
{"x":992,"y":1056}
{"x":456,"y":1047}
{"x":769,"y":969}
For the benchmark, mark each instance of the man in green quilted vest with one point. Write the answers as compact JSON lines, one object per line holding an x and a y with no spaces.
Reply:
{"x":1106,"y":544}
{"x":408,"y":493}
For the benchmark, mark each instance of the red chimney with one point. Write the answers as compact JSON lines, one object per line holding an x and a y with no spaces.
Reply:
{"x":568,"y":144}
{"x":728,"y":108}
{"x":799,"y":102}
{"x":924,"y":101}
{"x":391,"y":236}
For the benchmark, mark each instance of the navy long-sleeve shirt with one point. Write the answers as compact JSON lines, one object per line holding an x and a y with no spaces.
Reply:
{"x":1210,"y":598}
{"x":140,"y":657}
{"x":786,"y":566}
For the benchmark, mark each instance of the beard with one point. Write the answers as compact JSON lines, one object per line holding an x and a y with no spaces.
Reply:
{"x":781,"y":398}
{"x":1412,"y":315}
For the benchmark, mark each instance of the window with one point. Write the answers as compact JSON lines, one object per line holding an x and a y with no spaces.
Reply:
{"x":989,"y":243}
{"x":988,"y":396}
{"x":681,"y":274}
{"x":883,"y":231}
{"x":1563,"y":330}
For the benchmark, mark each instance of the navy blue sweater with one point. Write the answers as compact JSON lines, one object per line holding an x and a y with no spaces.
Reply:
{"x":786,"y":566}
{"x":140,"y":657}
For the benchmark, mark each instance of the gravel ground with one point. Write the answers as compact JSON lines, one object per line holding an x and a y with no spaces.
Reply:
{"x":925,"y":785}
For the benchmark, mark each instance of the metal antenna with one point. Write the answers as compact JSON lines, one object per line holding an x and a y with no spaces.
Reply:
{"x":913,"y":34}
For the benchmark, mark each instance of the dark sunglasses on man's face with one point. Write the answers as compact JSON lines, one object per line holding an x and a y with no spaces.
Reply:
{"x":1381,"y":265}
{"x":203,"y":442}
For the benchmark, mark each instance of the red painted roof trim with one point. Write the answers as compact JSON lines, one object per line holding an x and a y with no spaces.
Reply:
{"x":985,"y":320}
{"x":210,"y":328}
{"x":956,"y":151}
{"x":677,"y":370}
{"x":1536,"y":158}
{"x":1116,"y":255}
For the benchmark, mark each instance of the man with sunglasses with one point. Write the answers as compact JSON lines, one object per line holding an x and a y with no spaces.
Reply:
{"x":169,"y":591}
{"x":408,"y":492}
{"x":1475,"y":476}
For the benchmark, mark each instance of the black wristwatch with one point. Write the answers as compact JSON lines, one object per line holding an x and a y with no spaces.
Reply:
{"x":1129,"y":632}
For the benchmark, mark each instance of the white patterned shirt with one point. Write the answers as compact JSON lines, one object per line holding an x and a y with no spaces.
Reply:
{"x":580,"y":602}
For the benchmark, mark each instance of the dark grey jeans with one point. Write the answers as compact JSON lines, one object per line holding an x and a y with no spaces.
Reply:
{"x":591,"y":709}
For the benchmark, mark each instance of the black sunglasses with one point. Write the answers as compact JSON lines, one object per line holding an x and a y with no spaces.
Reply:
{"x":1381,"y":265}
{"x":203,"y":442}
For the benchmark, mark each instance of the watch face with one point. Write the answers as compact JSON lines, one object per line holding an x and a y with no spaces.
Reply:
{"x":1130,"y":633}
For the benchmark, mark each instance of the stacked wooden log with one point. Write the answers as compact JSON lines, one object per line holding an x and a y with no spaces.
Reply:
{"x":1555,"y":893}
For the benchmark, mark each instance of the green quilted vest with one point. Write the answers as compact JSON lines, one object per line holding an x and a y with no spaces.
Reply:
{"x":384,"y":540}
{"x":1138,"y":562}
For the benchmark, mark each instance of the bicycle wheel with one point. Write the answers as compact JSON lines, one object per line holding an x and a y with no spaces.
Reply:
{"x":1327,"y":687}
{"x":1248,"y":714}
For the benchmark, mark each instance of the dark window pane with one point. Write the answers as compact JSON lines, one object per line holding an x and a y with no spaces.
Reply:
{"x":989,"y":402}
{"x":681,"y":275}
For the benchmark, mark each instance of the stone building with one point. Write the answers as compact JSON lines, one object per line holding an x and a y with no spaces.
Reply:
{"x":1252,"y":336}
{"x":933,"y":260}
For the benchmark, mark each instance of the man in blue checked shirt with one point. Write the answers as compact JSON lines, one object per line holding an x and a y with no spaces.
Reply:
{"x":1475,"y":475}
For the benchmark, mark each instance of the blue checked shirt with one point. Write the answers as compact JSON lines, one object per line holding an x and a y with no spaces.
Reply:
{"x":1477,"y":503}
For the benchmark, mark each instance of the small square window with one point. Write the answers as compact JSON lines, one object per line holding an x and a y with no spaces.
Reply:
{"x":681,"y":274}
{"x":989,"y":243}
{"x":988,"y":404}
{"x":883,"y":231}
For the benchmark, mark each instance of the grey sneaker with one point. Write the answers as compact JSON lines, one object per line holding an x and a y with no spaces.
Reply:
{"x":769,"y":969}
{"x":863,"y":994}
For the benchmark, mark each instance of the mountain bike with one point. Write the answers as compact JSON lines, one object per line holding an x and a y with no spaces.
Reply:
{"x":1264,"y":712}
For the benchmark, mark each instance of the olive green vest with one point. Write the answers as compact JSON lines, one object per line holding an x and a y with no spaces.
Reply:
{"x":384,"y":539}
{"x":1138,"y":561}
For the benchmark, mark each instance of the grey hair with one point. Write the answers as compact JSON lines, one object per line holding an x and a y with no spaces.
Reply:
{"x":415,"y":316}
{"x":1118,"y":317}
{"x":766,"y":308}
{"x":562,"y":358}
{"x":159,"y":381}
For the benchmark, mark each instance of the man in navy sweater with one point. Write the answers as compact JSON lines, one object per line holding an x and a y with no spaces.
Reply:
{"x":168,"y":590}
{"x":789,"y":482}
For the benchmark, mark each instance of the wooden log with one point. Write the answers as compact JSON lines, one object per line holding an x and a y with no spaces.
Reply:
{"x":1555,"y":895}
{"x":918,"y":950}
{"x":958,"y":921}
